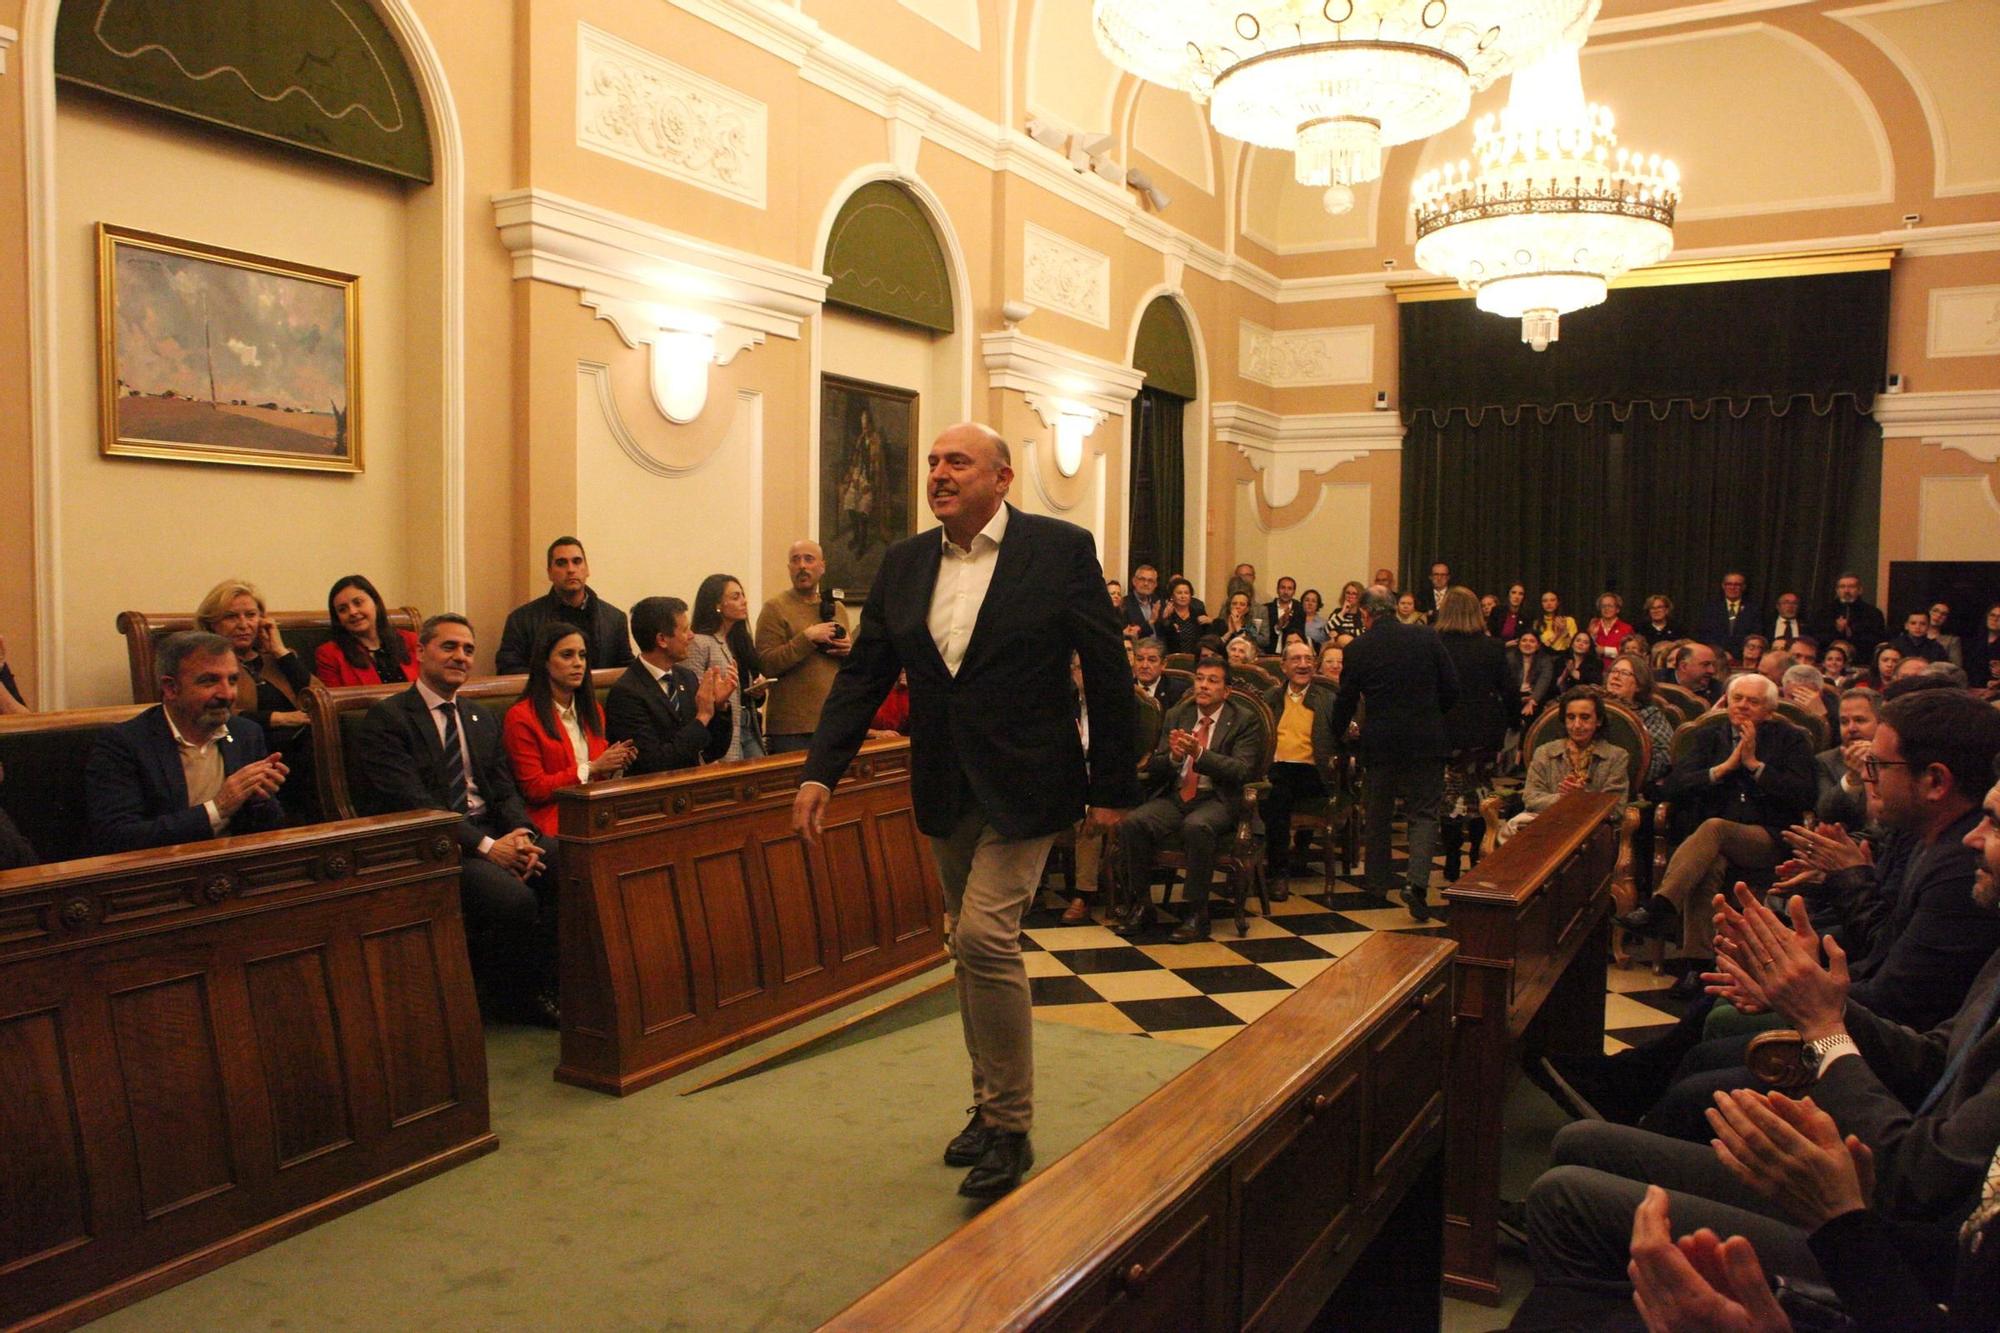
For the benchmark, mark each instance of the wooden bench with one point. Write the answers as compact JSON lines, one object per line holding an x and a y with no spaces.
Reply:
{"x":205,"y":1049}
{"x":1532,"y":921}
{"x":693,"y":920}
{"x":303,"y":631}
{"x":1291,"y":1175}
{"x":44,"y":755}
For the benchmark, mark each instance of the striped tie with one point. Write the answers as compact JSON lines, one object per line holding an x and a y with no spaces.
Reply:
{"x":1942,"y":1087}
{"x":454,"y":757}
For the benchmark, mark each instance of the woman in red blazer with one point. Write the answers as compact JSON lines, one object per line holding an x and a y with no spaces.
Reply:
{"x":555,"y":733}
{"x":363,"y":649}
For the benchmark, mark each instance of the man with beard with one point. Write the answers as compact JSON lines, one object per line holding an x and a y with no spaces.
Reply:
{"x":802,"y":638}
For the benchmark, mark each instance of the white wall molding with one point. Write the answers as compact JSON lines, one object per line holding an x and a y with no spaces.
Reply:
{"x":627,"y":97}
{"x":1701,"y":12}
{"x":1050,"y":374}
{"x":1963,"y":321}
{"x":1063,"y":275}
{"x":1300,"y":358}
{"x":8,"y":36}
{"x":1282,"y":448}
{"x":1968,"y":422}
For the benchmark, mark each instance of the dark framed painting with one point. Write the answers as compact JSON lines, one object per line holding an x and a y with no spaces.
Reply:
{"x":215,"y":356}
{"x":867,"y":439}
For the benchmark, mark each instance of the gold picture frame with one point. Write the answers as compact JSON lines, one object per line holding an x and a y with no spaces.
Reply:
{"x":208,"y":355}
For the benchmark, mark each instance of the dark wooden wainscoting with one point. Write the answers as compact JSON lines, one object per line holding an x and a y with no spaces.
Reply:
{"x":1532,"y":923}
{"x":205,"y":1049}
{"x":695,"y":921}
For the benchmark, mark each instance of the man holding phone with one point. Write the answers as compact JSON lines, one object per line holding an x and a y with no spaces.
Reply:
{"x":802,"y":636}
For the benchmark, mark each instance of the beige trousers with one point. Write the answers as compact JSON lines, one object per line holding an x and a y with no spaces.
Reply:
{"x":989,"y":880}
{"x":1699,"y":866}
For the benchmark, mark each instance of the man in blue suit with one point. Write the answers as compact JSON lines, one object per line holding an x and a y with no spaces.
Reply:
{"x":184,"y":770}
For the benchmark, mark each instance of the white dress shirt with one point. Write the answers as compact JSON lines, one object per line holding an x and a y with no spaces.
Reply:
{"x":962,"y":581}
{"x":579,"y":744}
{"x":475,"y":804}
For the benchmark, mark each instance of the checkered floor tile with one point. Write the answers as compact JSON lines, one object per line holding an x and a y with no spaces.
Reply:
{"x":1203,"y":994}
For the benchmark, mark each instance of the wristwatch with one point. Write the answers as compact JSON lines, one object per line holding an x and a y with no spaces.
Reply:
{"x":1820,"y":1053}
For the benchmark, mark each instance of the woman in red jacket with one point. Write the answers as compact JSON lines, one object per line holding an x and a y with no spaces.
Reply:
{"x":363,"y":649}
{"x":555,"y":733}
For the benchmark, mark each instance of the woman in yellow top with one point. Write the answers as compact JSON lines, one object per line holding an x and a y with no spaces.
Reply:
{"x":1553,"y":627}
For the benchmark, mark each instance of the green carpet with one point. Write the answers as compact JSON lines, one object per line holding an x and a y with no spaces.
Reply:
{"x":770,"y":1202}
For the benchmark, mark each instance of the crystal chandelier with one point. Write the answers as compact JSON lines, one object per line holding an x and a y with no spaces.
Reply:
{"x":1335,"y":81}
{"x":1555,"y":210}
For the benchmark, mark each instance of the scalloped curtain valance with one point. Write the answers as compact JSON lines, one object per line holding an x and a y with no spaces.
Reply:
{"x":1818,"y":342}
{"x":885,"y":259}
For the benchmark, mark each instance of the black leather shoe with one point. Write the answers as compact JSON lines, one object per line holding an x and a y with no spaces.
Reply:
{"x":1134,"y":922}
{"x":1657,"y":917}
{"x":1190,"y":931}
{"x":970,"y":1143}
{"x":1413,"y":900}
{"x":1007,"y":1158}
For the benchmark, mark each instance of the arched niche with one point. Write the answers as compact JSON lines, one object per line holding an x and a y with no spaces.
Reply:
{"x":1166,"y":483}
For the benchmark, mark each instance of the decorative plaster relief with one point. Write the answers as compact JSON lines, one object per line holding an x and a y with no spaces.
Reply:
{"x":1284,"y":448}
{"x":1294,"y":358}
{"x":1964,"y":321}
{"x":1062,"y":275}
{"x":641,"y":108}
{"x":1968,"y":421}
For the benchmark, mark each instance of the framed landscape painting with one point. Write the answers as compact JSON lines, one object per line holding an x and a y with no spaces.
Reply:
{"x":866,"y":435}
{"x":214,"y":356}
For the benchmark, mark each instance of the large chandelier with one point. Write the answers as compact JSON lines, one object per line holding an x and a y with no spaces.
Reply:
{"x":1555,"y":210}
{"x":1334,"y":81}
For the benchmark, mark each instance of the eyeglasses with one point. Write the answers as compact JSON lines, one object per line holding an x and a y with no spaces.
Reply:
{"x":1871,"y":767}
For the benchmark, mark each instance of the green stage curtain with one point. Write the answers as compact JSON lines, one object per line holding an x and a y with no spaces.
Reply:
{"x":1158,"y":482}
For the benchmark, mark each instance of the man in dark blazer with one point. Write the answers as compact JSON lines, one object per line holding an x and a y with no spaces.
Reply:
{"x":1409,"y":684}
{"x":184,"y":770}
{"x":659,"y":705}
{"x":1283,"y":615}
{"x":983,"y":614}
{"x":1149,"y":673}
{"x":1850,"y":617}
{"x":1725,"y":621}
{"x":423,"y":749}
{"x":570,"y":599}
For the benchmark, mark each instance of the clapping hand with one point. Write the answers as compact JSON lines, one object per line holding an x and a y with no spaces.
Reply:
{"x":615,"y":760}
{"x":1180,"y":743}
{"x":1792,"y":1153}
{"x":1781,"y":963}
{"x":1699,"y":1282}
{"x":261,"y":777}
{"x":1827,"y":847}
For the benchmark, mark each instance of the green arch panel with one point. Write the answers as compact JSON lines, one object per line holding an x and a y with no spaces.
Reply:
{"x":884,"y":258}
{"x":1165,"y":349}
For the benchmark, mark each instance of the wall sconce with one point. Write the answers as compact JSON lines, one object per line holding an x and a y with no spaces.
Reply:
{"x":1072,"y":428}
{"x":681,"y":359}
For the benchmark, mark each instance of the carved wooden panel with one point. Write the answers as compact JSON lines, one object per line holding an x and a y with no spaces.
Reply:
{"x":171,"y":1069}
{"x":735,"y":951}
{"x":795,"y":907}
{"x":661,"y":965}
{"x":1406,"y":1078}
{"x":914,"y":906}
{"x":1302,"y":1189}
{"x":857,"y":923}
{"x":298,"y":1050}
{"x":406,"y":995}
{"x":42,"y":1171}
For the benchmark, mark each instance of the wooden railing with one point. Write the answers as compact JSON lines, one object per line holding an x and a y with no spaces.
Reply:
{"x":303,"y":631}
{"x":204,"y":1049}
{"x":1291,"y":1173}
{"x":1532,"y":922}
{"x":693,"y":920}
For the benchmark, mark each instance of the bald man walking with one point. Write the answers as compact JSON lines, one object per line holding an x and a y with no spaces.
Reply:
{"x":984,"y":612}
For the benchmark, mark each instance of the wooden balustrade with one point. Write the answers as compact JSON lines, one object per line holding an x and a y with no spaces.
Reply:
{"x":207,"y":1048}
{"x":1532,"y":922}
{"x":694,"y":921}
{"x":1292,"y":1172}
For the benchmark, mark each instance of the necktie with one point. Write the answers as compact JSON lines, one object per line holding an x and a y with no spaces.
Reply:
{"x":454,"y":757}
{"x":1950,"y":1075}
{"x":1789,"y":630}
{"x":1190,"y":784}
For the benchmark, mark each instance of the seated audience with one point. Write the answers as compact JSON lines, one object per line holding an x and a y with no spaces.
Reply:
{"x":1239,"y":622}
{"x":1488,"y":604}
{"x":1608,"y":629}
{"x":1344,"y":621}
{"x":1241,"y":651}
{"x":573,"y":601}
{"x":666,"y":709}
{"x":184,"y":770}
{"x":1773,"y":665}
{"x":1149,"y":661}
{"x":1282,"y":616}
{"x":1754,"y":648}
{"x":722,"y":638}
{"x":1656,"y":624}
{"x":1916,"y":640}
{"x":271,"y":679}
{"x":15,"y":850}
{"x":803,"y":635}
{"x":1694,"y":665}
{"x":1843,"y":791}
{"x":1531,"y":678}
{"x":1583,"y":760}
{"x":1724,"y":622}
{"x":1836,"y":664}
{"x":1850,"y":617}
{"x":11,"y":698}
{"x":1954,"y":652}
{"x":1805,"y":650}
{"x":363,"y":648}
{"x":1407,"y":610}
{"x":423,"y":750}
{"x":1555,"y":628}
{"x":555,"y":732}
{"x":1116,"y":592}
{"x":1799,"y":685}
{"x":1912,"y":667}
{"x":1179,"y":627}
{"x":1302,"y":764}
{"x":1142,"y":603}
{"x":1475,"y":727}
{"x":1432,"y":600}
{"x":1735,"y":793}
{"x":892,"y":719}
{"x":1924,"y":1104}
{"x":1244,"y":580}
{"x":1629,"y":680}
{"x":1332,"y":660}
{"x":1579,"y":664}
{"x":1887,"y":661}
{"x":1784,"y":622}
{"x":1982,"y":653}
{"x":1510,"y":619}
{"x":1209,"y":746}
{"x":1312,"y":612}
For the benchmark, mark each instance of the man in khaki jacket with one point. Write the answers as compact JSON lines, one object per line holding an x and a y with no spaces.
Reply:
{"x":801,"y":640}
